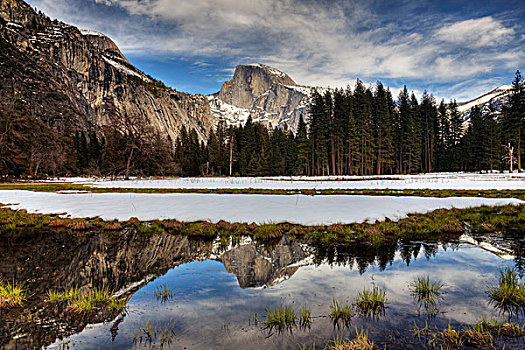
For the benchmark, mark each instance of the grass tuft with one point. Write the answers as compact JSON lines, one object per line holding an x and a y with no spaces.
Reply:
{"x":12,"y":294}
{"x":340,"y":313}
{"x":163,"y":292}
{"x":371,"y":302}
{"x":360,"y":342}
{"x":428,"y":294}
{"x":305,"y":317}
{"x":53,"y":296}
{"x":509,"y":294}
{"x":280,"y":317}
{"x":84,"y":303}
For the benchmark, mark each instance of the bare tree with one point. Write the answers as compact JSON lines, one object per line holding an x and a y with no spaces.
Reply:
{"x":509,"y":156}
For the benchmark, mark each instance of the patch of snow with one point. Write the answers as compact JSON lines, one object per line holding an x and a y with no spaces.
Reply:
{"x":16,"y":25}
{"x":306,"y":90}
{"x":90,"y":32}
{"x":444,"y":181}
{"x":125,"y":69}
{"x":230,"y":114}
{"x":298,"y":209}
{"x":484,"y":99}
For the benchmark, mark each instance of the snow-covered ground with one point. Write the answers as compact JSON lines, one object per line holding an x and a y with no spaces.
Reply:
{"x":424,"y":181}
{"x":308,"y":210}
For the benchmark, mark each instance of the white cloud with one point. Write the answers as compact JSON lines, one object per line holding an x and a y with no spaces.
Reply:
{"x":317,"y":43}
{"x":480,"y":32}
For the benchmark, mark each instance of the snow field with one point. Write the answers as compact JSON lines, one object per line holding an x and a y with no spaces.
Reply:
{"x":297,"y":209}
{"x":444,"y":181}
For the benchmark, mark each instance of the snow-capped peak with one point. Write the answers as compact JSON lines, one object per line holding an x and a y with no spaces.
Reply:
{"x":484,"y":99}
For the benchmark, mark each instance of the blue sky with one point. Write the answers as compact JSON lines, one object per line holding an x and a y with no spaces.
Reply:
{"x":453,"y":49}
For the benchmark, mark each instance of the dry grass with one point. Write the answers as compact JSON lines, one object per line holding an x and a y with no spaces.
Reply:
{"x":452,"y":225}
{"x":112,"y":226}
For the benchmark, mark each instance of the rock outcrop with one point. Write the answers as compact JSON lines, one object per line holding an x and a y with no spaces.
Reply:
{"x":80,"y":79}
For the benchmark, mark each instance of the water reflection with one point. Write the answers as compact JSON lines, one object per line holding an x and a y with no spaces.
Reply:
{"x":216,"y":289}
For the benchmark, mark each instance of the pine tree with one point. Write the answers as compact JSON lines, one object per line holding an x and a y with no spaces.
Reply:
{"x":401,"y":131}
{"x":456,"y":131}
{"x":443,"y":136}
{"x":383,"y":129}
{"x":430,"y":128}
{"x":514,"y":117}
{"x":302,"y":148}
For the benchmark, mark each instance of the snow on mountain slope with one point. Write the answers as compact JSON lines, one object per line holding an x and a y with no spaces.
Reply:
{"x":230,"y":114}
{"x":496,"y":97}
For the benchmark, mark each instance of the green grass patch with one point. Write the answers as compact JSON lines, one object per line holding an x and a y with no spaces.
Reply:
{"x":85,"y":303}
{"x":280,"y":318}
{"x":428,"y":294}
{"x":163,"y":292}
{"x":360,"y":342}
{"x":150,"y":335}
{"x":371,"y":302}
{"x":340,"y":313}
{"x":12,"y":294}
{"x":305,"y":317}
{"x":509,"y":294}
{"x":506,"y":328}
{"x":148,"y":228}
{"x":439,"y":225}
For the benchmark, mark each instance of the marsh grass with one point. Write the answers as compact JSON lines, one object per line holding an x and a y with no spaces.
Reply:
{"x":148,"y":228}
{"x":420,"y":331}
{"x":53,"y":296}
{"x":509,"y":294}
{"x":269,"y":231}
{"x":360,"y":342}
{"x":280,"y":318}
{"x":118,"y":304}
{"x":202,"y":230}
{"x":112,"y":226}
{"x":450,"y":338}
{"x":85,"y":303}
{"x":441,"y":224}
{"x":340,"y":313}
{"x":154,"y":335}
{"x":12,"y":294}
{"x":428,"y":294}
{"x":305,"y":317}
{"x":371,"y":302}
{"x":163,"y":292}
{"x":478,"y":335}
{"x":507,"y":329}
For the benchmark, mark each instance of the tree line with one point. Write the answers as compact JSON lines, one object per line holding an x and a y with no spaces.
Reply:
{"x":365,"y":131}
{"x":359,"y":131}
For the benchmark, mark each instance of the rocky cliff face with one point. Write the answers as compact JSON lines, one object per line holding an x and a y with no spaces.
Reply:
{"x":80,"y":79}
{"x":266,"y":94}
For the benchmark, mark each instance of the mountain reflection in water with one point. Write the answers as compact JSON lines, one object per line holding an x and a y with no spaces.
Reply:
{"x":206,"y":286}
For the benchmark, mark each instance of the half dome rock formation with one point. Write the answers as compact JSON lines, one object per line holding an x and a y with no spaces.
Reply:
{"x":266,"y":94}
